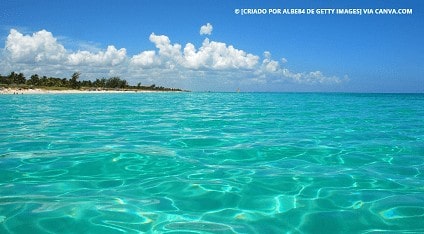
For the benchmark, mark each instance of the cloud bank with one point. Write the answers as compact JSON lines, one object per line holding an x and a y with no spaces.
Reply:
{"x":215,"y":63}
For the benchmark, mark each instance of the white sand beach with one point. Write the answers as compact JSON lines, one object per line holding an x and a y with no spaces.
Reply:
{"x":19,"y":91}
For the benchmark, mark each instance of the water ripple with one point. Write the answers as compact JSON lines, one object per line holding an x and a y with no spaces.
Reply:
{"x":212,"y":163}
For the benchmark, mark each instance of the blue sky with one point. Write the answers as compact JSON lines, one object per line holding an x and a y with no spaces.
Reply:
{"x":160,"y":42}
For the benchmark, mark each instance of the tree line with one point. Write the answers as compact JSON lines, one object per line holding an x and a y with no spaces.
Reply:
{"x":18,"y":79}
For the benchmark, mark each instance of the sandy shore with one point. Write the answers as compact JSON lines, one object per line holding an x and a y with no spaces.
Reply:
{"x":67,"y":91}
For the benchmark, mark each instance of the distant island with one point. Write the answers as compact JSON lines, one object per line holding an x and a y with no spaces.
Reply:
{"x":17,"y":83}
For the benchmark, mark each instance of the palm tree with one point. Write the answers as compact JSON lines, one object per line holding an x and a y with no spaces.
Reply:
{"x":34,"y":80}
{"x":73,"y":82}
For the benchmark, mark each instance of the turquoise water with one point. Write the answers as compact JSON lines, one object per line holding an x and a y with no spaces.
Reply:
{"x":212,"y":163}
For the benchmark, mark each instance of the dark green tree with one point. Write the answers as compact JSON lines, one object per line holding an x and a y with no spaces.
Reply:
{"x":116,"y":82}
{"x":86,"y":83}
{"x":15,"y":78}
{"x":43,"y":81}
{"x":34,"y":80}
{"x":65,"y":82}
{"x":73,"y":82}
{"x":20,"y":79}
{"x":100,"y":83}
{"x":4,"y":80}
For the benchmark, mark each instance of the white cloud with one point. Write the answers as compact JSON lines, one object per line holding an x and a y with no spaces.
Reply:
{"x":194,"y":59}
{"x":211,"y":55}
{"x":217,"y":55}
{"x":165,"y":47}
{"x":315,"y":77}
{"x":145,"y":59}
{"x":170,"y":62}
{"x":272,"y":66}
{"x":40,"y":47}
{"x":110,"y":57}
{"x":206,"y":29}
{"x":272,"y":69}
{"x":169,"y":54}
{"x":269,"y":65}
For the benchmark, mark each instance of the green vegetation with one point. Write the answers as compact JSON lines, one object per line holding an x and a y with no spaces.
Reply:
{"x":113,"y":83}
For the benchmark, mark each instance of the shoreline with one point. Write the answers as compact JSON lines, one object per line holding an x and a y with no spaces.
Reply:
{"x":20,"y":91}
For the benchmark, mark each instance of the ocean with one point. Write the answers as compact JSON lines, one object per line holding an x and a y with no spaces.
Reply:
{"x":212,"y":163}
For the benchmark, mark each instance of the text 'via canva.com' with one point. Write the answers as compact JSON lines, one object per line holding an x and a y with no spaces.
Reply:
{"x":322,"y":11}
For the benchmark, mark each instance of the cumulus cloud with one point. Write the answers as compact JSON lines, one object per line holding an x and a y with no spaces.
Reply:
{"x":145,"y":59}
{"x":166,"y":49}
{"x":269,"y":65}
{"x":217,"y":55}
{"x":211,"y":55}
{"x":111,"y":57}
{"x":38,"y":47}
{"x":42,"y":47}
{"x":273,"y":69}
{"x":206,"y":29}
{"x":216,"y":61}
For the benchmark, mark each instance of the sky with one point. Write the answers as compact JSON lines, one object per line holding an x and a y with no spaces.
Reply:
{"x":209,"y":45}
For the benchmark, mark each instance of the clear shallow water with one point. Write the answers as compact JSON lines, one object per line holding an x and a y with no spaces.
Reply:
{"x":211,"y":162}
